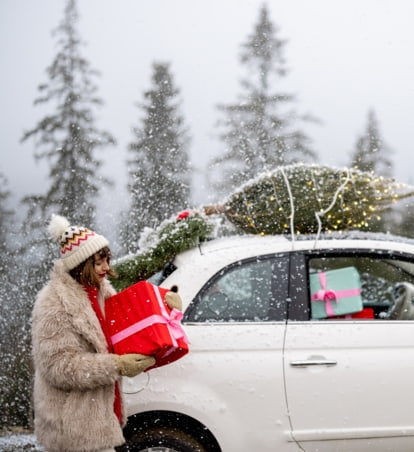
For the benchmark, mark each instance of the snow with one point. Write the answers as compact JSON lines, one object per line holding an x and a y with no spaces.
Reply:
{"x":19,"y":442}
{"x":356,"y":235}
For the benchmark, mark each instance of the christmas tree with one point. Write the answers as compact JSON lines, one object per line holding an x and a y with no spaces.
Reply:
{"x":294,"y":199}
{"x":309,"y":199}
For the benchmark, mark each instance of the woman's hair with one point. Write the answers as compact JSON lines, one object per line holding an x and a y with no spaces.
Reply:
{"x":84,"y":273}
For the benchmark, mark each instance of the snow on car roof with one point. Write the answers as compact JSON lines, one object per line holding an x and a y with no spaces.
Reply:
{"x":240,"y":246}
{"x":357,"y":235}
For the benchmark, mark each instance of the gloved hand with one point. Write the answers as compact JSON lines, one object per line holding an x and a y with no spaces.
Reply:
{"x":132,"y":364}
{"x":173,"y":300}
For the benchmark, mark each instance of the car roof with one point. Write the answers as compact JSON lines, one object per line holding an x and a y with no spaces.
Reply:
{"x":242,"y":246}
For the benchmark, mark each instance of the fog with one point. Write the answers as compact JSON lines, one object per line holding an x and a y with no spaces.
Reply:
{"x":344,"y":59}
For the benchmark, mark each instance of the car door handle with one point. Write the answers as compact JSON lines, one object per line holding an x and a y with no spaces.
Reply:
{"x":313,"y":362}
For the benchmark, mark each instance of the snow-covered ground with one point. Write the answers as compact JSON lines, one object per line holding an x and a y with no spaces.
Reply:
{"x":19,"y":443}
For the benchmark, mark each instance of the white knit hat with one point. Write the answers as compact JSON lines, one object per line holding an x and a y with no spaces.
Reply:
{"x":76,"y":242}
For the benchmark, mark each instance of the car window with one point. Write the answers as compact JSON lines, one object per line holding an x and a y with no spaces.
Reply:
{"x":372,"y":287}
{"x":248,"y":291}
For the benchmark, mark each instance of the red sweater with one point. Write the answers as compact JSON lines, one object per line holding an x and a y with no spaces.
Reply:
{"x":93,"y":297}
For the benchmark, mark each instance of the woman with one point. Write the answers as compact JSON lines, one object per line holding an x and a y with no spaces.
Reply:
{"x":77,"y":398}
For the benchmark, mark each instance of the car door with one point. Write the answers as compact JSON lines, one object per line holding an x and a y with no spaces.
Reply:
{"x":349,"y":378}
{"x":236,"y":326}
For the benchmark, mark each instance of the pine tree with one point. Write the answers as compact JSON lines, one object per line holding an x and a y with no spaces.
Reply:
{"x":292,"y":200}
{"x":159,"y":170}
{"x":68,"y":137}
{"x":371,"y":153}
{"x":404,"y":219}
{"x":6,"y":215}
{"x":307,"y":198}
{"x":7,"y":261}
{"x":15,"y":370}
{"x":260,"y":130}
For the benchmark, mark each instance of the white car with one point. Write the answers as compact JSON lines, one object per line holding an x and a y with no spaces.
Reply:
{"x":263,"y":373}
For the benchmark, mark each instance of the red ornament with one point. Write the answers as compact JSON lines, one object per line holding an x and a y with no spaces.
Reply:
{"x":183,"y":214}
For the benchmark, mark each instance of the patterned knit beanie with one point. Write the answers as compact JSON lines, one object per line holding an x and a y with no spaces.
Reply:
{"x":76,"y":242}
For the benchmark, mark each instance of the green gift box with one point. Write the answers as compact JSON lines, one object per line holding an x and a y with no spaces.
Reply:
{"x":335,"y":292}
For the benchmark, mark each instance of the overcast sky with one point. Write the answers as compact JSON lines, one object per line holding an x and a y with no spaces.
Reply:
{"x":345,"y":57}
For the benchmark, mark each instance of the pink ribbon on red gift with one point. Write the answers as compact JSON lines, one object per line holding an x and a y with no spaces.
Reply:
{"x":328,"y":296}
{"x":172,"y":320}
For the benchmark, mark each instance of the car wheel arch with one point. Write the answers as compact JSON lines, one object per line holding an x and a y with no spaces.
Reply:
{"x":180,"y":422}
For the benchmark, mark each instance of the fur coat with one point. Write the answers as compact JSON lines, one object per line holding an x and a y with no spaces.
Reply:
{"x":74,"y":373}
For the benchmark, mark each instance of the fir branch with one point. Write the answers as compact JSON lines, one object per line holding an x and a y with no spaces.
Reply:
{"x":171,"y":238}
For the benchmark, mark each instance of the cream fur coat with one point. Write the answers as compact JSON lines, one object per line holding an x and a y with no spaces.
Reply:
{"x":74,"y":374}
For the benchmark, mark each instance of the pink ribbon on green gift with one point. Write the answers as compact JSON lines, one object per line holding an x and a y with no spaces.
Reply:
{"x":328,"y":296}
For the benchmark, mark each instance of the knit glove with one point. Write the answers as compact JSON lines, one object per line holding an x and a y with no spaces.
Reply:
{"x":173,"y":300}
{"x":132,"y":364}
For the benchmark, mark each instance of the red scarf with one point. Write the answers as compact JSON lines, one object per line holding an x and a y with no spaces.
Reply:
{"x":93,"y":297}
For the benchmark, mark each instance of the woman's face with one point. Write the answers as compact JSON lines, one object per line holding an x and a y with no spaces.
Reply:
{"x":101,"y":266}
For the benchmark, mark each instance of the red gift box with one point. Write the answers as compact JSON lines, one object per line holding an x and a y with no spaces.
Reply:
{"x":366,"y":313}
{"x":139,"y":321}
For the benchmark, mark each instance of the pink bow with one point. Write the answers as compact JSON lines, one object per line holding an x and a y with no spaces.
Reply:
{"x":174,"y":324}
{"x":329,"y":295}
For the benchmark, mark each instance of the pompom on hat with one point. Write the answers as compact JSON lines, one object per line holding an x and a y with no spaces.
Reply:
{"x":77,"y":243}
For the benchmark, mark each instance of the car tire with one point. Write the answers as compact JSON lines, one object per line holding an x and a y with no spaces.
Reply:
{"x":162,"y":439}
